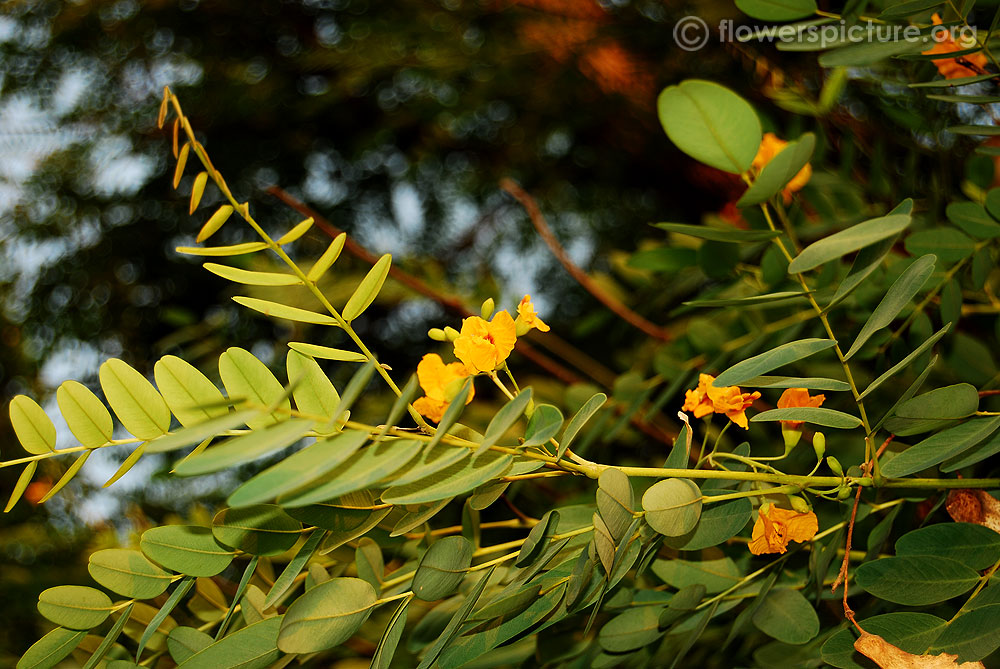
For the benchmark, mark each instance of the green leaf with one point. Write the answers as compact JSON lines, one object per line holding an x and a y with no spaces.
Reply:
{"x":865,"y":262}
{"x":543,"y":425}
{"x":905,"y":362}
{"x":713,"y":575}
{"x":248,"y":378}
{"x":292,"y":569}
{"x":912,"y":632}
{"x":459,"y":478}
{"x":34,"y":429}
{"x":128,"y":573}
{"x":186,"y":549}
{"x":252,"y":278}
{"x":189,"y":394}
{"x":841,"y":243}
{"x":442,"y":568}
{"x":284,"y":311}
{"x":368,"y":289}
{"x":780,"y":170}
{"x":253,"y":647}
{"x":109,"y":638}
{"x":326,"y":616}
{"x":865,"y":53}
{"x":579,"y":419}
{"x":468,"y":648}
{"x":972,"y":635}
{"x":896,"y":298}
{"x":311,"y":387}
{"x":67,"y":476}
{"x":329,"y":257}
{"x":978,"y":130}
{"x":615,"y":501}
{"x":327,"y":353}
{"x":87,"y":417}
{"x":948,"y":244}
{"x":631,"y":630}
{"x":51,"y":649}
{"x":359,"y":471}
{"x":197,"y":434}
{"x":673,"y":506}
{"x":263,"y":529}
{"x":418,"y":517}
{"x":245,"y":448}
{"x":663,"y":259}
{"x":915,"y":580}
{"x":787,"y":616}
{"x":22,"y":484}
{"x":975,"y":546}
{"x":386,"y":648}
{"x":746,"y":301}
{"x":183,"y":642}
{"x":451,"y":630}
{"x":533,"y":543}
{"x":956,"y":401}
{"x":728,"y":234}
{"x":973,"y":219}
{"x":298,"y":469}
{"x":811,"y":383}
{"x":909,"y":8}
{"x":134,"y":399}
{"x":719,"y":522}
{"x":154,"y":624}
{"x":984,"y":449}
{"x":711,"y":124}
{"x":215,"y":251}
{"x":814,"y":415}
{"x":432,"y":460}
{"x":777,"y":10}
{"x":952,"y":83}
{"x":769,"y":360}
{"x":939,"y":447}
{"x":75,"y":606}
{"x":504,"y":419}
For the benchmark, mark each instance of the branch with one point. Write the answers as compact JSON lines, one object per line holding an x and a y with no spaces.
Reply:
{"x":535,"y":214}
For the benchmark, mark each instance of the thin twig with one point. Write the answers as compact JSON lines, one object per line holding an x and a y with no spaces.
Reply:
{"x":538,"y":220}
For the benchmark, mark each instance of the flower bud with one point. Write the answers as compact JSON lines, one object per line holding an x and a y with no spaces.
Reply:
{"x":437,"y":334}
{"x":791,"y":439}
{"x":486,"y":311}
{"x":520,"y":327}
{"x":843,"y":493}
{"x":819,"y":445}
{"x":834,"y":466}
{"x":450,"y":333}
{"x":799,"y":504}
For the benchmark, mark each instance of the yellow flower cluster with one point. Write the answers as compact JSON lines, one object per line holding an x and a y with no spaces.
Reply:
{"x":775,"y":527}
{"x":707,"y":399}
{"x":482,"y":347}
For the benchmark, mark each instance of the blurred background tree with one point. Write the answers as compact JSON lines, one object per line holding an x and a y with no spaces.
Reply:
{"x":396,"y":121}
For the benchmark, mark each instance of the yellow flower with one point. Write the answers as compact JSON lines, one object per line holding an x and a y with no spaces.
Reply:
{"x":797,"y":397}
{"x":484,"y":345}
{"x":968,"y":65}
{"x":435,"y":377}
{"x":696,"y":400}
{"x":527,"y":318}
{"x":775,"y":527}
{"x":770,"y":146}
{"x":707,"y":399}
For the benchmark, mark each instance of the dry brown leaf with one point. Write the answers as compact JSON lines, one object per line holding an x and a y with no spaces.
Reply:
{"x":887,"y":656}
{"x":974,"y":506}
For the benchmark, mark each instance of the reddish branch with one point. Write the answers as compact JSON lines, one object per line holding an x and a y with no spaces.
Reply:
{"x":535,"y":214}
{"x":845,"y":565}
